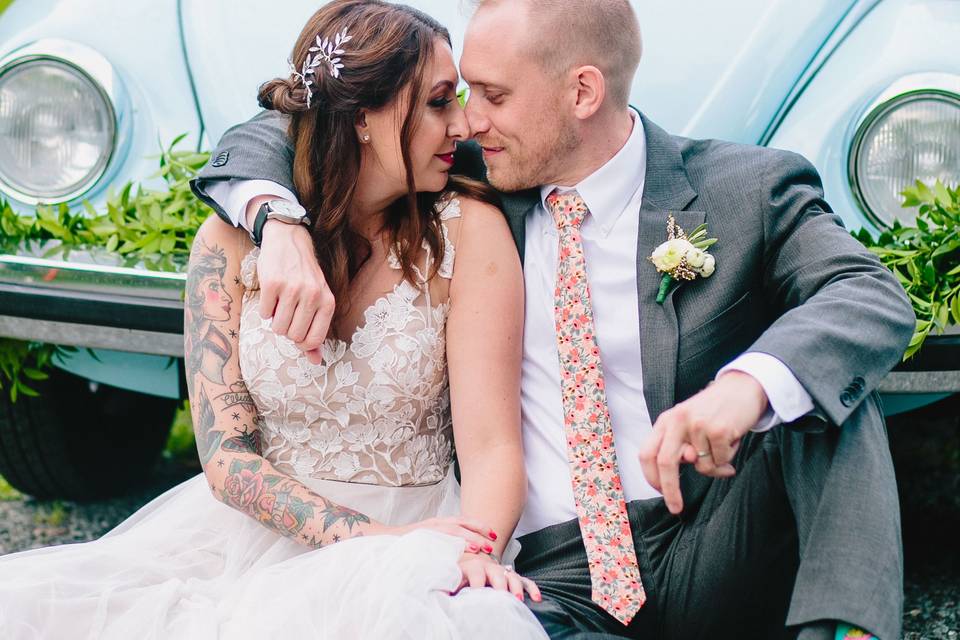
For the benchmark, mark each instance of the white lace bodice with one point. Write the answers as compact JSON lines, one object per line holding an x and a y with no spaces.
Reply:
{"x":377,"y":409}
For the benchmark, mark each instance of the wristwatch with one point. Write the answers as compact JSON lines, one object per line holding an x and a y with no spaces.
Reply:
{"x":282,"y":210}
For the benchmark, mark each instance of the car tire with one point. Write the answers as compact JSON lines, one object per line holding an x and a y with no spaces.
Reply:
{"x":80,"y":440}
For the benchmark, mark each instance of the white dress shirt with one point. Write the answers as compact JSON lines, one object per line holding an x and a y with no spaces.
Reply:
{"x":613,"y":195}
{"x":233,"y":196}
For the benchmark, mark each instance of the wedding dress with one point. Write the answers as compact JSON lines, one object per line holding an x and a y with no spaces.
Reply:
{"x":368,"y":428}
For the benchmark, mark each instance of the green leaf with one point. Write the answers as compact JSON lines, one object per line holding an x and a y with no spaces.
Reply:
{"x":929,"y":273}
{"x":34,"y":374}
{"x":943,"y":315}
{"x":941,"y":193}
{"x":27,"y":391}
{"x":955,"y":309}
{"x":112,"y":243}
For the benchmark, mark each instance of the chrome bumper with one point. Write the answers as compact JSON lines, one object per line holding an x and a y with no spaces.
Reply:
{"x":87,"y":303}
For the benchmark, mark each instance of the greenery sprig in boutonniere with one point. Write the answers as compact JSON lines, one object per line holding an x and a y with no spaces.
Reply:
{"x":682,"y":257}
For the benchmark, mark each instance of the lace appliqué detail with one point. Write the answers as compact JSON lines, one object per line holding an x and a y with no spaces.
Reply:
{"x":377,"y":408}
{"x":448,"y":208}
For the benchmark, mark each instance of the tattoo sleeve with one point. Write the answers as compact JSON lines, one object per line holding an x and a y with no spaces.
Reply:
{"x":225,"y":417}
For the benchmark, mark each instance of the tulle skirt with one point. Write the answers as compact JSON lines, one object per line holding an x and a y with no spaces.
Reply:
{"x":186,"y":566}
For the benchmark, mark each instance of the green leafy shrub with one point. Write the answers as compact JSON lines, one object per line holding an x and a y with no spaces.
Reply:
{"x":151,"y":228}
{"x":925,"y":258}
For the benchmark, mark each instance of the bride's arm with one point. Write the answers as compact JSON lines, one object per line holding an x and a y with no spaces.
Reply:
{"x":225,"y":418}
{"x":484,"y":347}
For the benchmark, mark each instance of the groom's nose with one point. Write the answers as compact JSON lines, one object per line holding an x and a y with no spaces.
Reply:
{"x":478,"y":122}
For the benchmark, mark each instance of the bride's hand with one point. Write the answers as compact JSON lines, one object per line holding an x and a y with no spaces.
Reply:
{"x":478,"y":536}
{"x":480,"y":570}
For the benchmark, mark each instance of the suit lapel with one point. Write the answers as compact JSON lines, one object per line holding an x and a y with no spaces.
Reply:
{"x":666,"y":191}
{"x":516,"y":206}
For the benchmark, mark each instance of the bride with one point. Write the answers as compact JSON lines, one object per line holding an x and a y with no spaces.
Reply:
{"x":328,"y":506}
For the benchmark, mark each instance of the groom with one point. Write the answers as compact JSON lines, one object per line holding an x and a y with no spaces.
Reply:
{"x":713,"y":466}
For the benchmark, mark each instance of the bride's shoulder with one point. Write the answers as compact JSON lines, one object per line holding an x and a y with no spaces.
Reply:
{"x":480,"y":226}
{"x":471,"y":209}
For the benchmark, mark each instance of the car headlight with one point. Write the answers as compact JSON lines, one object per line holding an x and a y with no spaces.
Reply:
{"x":911,"y":133}
{"x":58,"y":123}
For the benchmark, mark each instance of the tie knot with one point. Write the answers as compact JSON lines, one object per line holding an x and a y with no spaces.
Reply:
{"x":568,"y":208}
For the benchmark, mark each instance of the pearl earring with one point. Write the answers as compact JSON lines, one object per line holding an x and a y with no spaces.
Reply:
{"x":366,"y":138}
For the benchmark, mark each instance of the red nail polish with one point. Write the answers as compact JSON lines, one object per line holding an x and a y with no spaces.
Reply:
{"x":488,"y":549}
{"x":493,"y":535}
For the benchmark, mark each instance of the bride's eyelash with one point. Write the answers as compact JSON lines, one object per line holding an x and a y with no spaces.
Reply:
{"x":441,"y":102}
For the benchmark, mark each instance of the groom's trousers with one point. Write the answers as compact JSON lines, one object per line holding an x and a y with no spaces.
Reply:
{"x":808,"y":529}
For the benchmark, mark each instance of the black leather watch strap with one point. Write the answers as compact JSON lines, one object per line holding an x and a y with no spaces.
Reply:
{"x":261,"y":219}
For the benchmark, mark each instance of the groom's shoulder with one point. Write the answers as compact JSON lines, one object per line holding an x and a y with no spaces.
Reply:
{"x":712,"y":162}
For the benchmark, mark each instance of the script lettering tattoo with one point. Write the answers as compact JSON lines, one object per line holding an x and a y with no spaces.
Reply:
{"x":207,"y":301}
{"x":237,"y":396}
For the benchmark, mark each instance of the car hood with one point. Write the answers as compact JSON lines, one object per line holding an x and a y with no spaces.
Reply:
{"x":709,"y":69}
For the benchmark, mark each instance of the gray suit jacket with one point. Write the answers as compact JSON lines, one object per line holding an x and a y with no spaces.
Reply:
{"x":790,"y":281}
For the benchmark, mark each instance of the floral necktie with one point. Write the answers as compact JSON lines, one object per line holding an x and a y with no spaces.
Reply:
{"x":601,"y":508}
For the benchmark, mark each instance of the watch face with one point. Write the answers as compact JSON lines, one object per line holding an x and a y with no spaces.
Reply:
{"x":287,"y":208}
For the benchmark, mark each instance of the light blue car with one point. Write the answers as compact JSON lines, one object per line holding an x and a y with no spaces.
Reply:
{"x":868,"y":90}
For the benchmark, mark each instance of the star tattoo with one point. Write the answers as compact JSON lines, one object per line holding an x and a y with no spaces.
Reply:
{"x":336,"y":538}
{"x":220,"y":462}
{"x":233,"y":334}
{"x":237,"y":281}
{"x":236,"y":416}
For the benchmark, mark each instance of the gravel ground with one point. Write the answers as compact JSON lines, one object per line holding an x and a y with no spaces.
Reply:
{"x":926,"y":446}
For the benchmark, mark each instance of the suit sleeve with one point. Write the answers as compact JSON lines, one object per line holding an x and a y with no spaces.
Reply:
{"x":845,"y":320}
{"x":258,"y":149}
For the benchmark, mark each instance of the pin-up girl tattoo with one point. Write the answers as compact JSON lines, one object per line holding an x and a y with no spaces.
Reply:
{"x":207,"y":302}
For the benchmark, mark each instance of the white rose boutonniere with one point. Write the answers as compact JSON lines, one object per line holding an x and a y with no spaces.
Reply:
{"x":682,"y":257}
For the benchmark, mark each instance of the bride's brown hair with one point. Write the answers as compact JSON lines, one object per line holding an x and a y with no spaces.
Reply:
{"x":390,"y":49}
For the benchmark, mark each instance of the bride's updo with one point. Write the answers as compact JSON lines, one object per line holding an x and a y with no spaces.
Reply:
{"x":389,"y":49}
{"x":283,"y":95}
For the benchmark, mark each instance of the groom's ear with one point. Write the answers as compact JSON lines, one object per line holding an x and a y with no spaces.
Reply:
{"x":591,"y":90}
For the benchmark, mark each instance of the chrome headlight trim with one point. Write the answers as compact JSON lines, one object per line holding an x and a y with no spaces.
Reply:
{"x":100,"y":73}
{"x":931,"y":86}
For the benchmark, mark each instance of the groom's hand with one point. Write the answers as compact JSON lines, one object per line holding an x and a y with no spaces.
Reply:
{"x":704,"y":430}
{"x":293,"y":289}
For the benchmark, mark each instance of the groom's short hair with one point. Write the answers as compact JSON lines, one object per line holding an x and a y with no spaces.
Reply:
{"x":603,"y":33}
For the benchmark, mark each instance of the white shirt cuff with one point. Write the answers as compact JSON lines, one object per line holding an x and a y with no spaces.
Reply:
{"x":233,"y":196}
{"x":787,"y":398}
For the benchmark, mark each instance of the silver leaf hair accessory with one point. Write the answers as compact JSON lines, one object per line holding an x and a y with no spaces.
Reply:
{"x":326,"y":52}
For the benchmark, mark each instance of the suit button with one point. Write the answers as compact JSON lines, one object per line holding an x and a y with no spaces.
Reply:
{"x":846,"y":399}
{"x":221,"y":159}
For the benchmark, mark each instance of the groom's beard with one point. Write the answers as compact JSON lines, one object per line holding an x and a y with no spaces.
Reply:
{"x":536,"y":160}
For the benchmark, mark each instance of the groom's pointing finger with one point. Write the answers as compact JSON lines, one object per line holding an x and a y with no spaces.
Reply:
{"x":668,"y":465}
{"x":648,"y":456}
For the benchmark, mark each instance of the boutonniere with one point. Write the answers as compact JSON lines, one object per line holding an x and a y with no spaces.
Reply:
{"x":682,"y":257}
